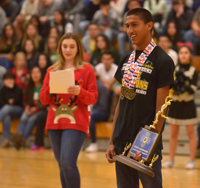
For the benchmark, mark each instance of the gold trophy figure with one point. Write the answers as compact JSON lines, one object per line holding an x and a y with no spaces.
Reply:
{"x":145,"y":142}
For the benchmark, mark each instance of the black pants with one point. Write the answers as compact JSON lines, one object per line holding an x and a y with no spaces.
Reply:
{"x":41,"y":122}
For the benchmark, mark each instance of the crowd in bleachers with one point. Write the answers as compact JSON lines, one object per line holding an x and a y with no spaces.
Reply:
{"x":29,"y":35}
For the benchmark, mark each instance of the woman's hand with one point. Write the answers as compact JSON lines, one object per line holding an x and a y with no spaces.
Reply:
{"x":74,"y":90}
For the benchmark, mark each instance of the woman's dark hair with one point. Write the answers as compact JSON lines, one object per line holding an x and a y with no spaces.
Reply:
{"x":47,"y":66}
{"x":178,"y":36}
{"x":142,"y":13}
{"x":3,"y":38}
{"x":34,"y":49}
{"x":8,"y":75}
{"x":108,"y":53}
{"x":189,"y":51}
{"x":54,"y":27}
{"x":63,"y":19}
{"x":105,"y":38}
{"x":39,"y":27}
{"x":29,"y":91}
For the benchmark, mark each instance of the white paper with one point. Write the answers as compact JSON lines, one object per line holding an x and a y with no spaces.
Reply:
{"x":61,"y":80}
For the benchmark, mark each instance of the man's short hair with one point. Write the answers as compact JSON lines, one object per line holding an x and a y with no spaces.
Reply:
{"x":108,"y":53}
{"x":92,"y":23}
{"x":164,"y":36}
{"x":104,"y":2}
{"x":8,"y":75}
{"x":142,"y":13}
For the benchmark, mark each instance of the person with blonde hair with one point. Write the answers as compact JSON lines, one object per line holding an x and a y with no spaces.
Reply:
{"x":31,"y":33}
{"x":20,"y":70}
{"x":68,"y":119}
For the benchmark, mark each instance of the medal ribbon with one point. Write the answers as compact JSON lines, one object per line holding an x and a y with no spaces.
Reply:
{"x":133,"y":68}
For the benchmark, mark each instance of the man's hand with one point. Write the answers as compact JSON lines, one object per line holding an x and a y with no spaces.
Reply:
{"x":102,"y":28}
{"x":11,"y":101}
{"x":138,"y":156}
{"x":66,"y":16}
{"x":197,"y":32}
{"x":110,"y":153}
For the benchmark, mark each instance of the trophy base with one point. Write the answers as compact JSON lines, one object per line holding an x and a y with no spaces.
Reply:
{"x":134,"y":164}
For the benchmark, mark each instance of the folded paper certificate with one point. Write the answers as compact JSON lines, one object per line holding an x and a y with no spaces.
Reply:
{"x":60,"y":81}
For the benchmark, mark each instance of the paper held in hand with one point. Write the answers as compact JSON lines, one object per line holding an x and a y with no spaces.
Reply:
{"x":60,"y":81}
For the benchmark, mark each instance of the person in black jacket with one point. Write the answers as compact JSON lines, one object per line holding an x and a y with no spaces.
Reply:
{"x":10,"y":104}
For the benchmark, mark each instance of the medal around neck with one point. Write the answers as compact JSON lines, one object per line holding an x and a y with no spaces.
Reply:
{"x":145,"y":142}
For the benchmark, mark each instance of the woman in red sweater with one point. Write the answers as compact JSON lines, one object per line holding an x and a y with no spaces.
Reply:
{"x":68,"y":120}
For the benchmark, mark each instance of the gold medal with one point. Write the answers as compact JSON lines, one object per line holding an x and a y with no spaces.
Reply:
{"x":128,"y":93}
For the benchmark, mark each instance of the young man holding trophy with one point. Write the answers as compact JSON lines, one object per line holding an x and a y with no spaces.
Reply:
{"x":146,"y":75}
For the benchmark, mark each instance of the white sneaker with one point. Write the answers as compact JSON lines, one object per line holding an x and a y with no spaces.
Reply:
{"x":168,"y":164}
{"x":93,"y":147}
{"x":191,"y":165}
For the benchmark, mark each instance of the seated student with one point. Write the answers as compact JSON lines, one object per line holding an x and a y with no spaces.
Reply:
{"x":106,"y":19}
{"x":74,"y":11}
{"x":165,"y":44}
{"x":20,"y":70}
{"x":29,"y":8}
{"x":122,"y":37}
{"x":106,"y":70}
{"x":92,"y":7}
{"x":64,"y":26}
{"x":11,"y":9}
{"x":44,"y":63}
{"x":33,"y":108}
{"x":118,"y":6}
{"x":174,"y":34}
{"x":46,"y":11}
{"x":31,"y":33}
{"x":8,"y":46}
{"x":31,"y":53}
{"x":10,"y":104}
{"x":102,"y":45}
{"x":99,"y":113}
{"x":193,"y":35}
{"x":158,"y":9}
{"x":54,"y":32}
{"x":89,"y":41}
{"x":51,"y":49}
{"x":181,"y":14}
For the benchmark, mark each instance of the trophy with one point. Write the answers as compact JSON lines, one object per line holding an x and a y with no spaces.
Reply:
{"x":145,"y":142}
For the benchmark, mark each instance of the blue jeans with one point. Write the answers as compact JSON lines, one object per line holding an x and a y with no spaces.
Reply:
{"x":111,"y":34}
{"x":96,"y":116}
{"x":27,"y":123}
{"x":4,"y":62}
{"x":66,"y":145}
{"x":129,"y":177}
{"x":122,"y":38}
{"x":7,"y":113}
{"x":189,"y":36}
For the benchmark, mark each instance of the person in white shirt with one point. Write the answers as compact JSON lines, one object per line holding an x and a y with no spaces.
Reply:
{"x":106,"y":70}
{"x":29,"y":8}
{"x":119,"y":6}
{"x":165,"y":43}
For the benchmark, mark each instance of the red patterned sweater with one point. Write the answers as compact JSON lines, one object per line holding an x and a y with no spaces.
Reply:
{"x":69,"y":111}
